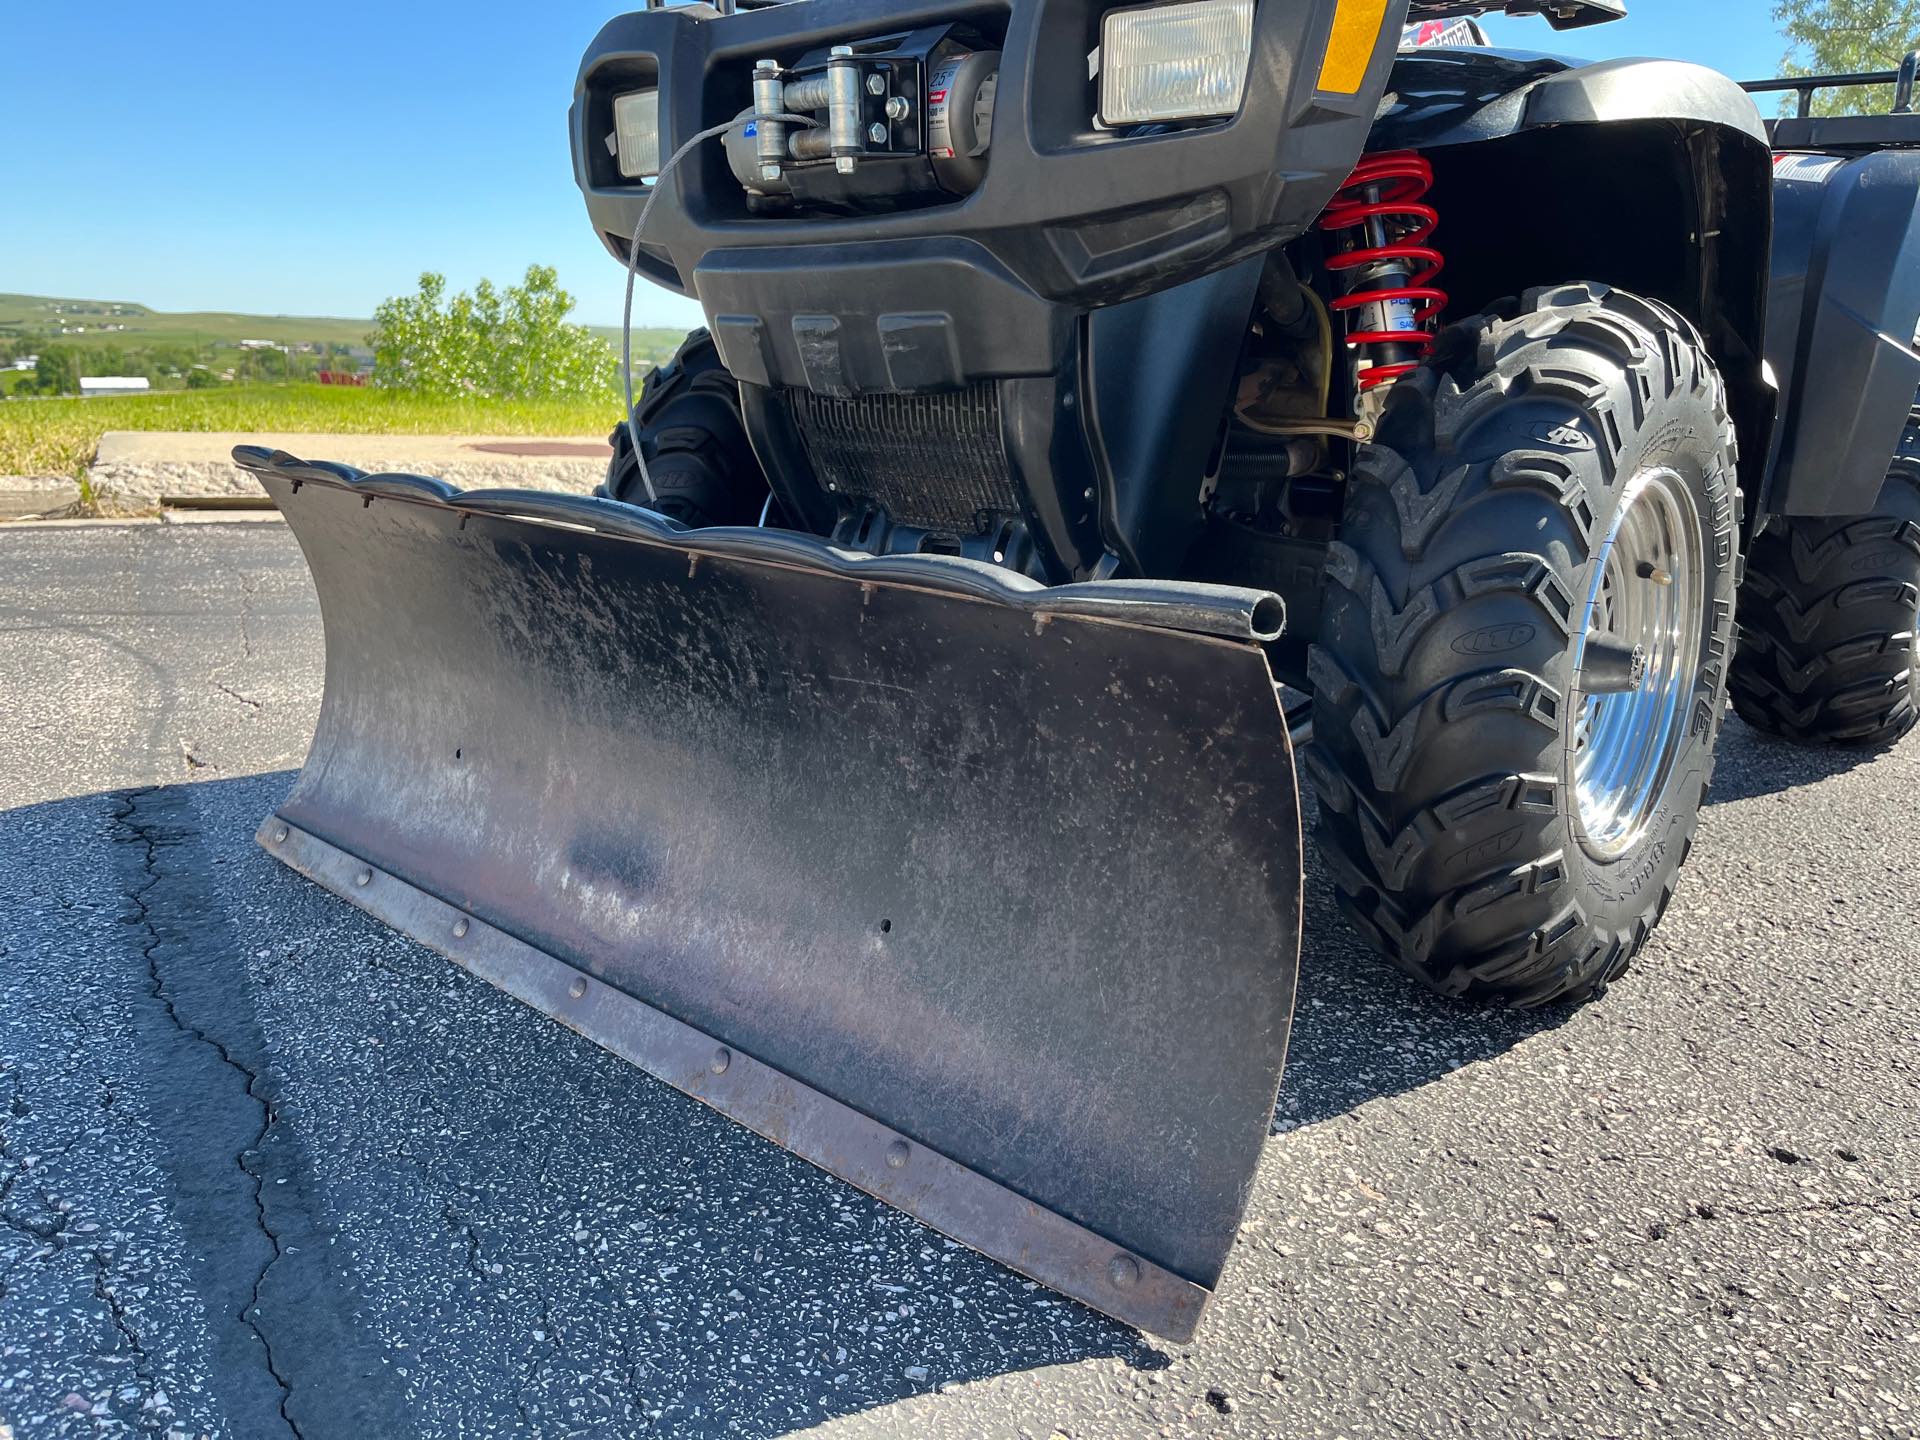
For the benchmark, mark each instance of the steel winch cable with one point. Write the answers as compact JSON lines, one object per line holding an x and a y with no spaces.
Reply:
{"x":633,"y":265}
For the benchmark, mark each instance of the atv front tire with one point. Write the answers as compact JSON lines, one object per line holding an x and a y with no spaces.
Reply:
{"x":702,"y":467}
{"x":1828,"y":615}
{"x":1505,"y":797}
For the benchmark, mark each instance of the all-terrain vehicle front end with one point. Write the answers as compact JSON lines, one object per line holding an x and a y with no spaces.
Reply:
{"x":894,"y":756}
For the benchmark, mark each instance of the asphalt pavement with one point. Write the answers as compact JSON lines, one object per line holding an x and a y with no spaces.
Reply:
{"x":267,"y":1169}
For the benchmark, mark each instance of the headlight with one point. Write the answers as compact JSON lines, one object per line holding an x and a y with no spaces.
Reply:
{"x":636,"y":132}
{"x":1174,"y":62}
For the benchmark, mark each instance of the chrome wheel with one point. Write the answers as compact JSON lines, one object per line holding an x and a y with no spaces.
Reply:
{"x":1636,"y":660}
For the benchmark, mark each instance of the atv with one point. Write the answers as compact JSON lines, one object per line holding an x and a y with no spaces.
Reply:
{"x":894,"y":757}
{"x":1829,"y":609}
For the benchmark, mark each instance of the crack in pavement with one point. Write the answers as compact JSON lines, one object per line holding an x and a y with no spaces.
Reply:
{"x":123,"y":1324}
{"x":459,"y":1222}
{"x":249,"y":592}
{"x":138,"y":832}
{"x":1706,"y":1213}
{"x":226,"y":689}
{"x":48,"y":1235}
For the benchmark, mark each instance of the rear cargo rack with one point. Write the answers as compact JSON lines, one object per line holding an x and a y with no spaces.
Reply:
{"x":1807,"y":86}
{"x":1898,"y":129}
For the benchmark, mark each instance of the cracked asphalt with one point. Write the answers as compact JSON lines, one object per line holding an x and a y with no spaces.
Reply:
{"x":267,"y":1169}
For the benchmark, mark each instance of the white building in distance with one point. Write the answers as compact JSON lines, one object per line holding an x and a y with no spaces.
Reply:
{"x":114,"y":385}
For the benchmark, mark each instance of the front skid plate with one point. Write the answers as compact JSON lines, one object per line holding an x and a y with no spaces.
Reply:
{"x":993,"y":911}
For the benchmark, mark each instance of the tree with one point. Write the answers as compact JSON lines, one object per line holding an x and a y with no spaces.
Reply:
{"x":1837,"y":37}
{"x":516,"y":343}
{"x":58,"y":373}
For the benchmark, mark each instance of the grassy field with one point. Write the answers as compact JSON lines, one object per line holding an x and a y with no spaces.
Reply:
{"x":58,"y":437}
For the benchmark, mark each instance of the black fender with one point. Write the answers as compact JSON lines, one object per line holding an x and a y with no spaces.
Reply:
{"x":1650,"y":175}
{"x":1841,"y":321}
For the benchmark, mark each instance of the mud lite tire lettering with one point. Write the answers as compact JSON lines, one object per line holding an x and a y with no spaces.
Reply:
{"x":1828,"y":616}
{"x":1445,"y":699}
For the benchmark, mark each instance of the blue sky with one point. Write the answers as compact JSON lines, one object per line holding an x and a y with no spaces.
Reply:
{"x":313,"y":158}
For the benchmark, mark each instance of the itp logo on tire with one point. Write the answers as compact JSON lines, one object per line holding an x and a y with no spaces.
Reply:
{"x":1563,"y":435}
{"x":1494,"y":639}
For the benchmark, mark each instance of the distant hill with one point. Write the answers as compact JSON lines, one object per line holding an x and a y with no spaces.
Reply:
{"x":121,"y":322}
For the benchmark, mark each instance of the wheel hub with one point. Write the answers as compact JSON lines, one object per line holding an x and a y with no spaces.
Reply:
{"x":1636,"y":660}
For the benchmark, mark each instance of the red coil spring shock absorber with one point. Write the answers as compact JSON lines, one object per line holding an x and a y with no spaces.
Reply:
{"x":1388,"y":267}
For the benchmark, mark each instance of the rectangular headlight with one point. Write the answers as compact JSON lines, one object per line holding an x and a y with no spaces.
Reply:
{"x":636,"y":131}
{"x":1174,"y":62}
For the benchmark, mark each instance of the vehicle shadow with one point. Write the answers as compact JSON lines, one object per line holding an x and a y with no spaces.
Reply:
{"x":1363,"y":1030}
{"x":1751,"y":763}
{"x":519,"y":1231}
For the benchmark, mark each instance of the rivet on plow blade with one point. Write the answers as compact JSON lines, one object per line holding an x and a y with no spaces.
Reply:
{"x":460,"y":928}
{"x":364,"y":878}
{"x":1610,"y":669}
{"x":577,"y":988}
{"x":279,"y":834}
{"x":1051,"y":979}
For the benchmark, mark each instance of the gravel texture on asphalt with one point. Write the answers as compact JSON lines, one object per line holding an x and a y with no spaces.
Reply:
{"x":268,"y":1169}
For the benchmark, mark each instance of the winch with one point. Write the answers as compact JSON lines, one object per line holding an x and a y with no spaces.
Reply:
{"x":902,"y":118}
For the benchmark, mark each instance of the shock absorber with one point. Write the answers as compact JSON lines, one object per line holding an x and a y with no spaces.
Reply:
{"x":1386,"y":265}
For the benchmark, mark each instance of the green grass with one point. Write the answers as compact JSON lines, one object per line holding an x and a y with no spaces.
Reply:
{"x":58,"y":437}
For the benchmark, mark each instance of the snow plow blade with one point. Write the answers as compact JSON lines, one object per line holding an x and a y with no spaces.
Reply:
{"x":982,"y":896}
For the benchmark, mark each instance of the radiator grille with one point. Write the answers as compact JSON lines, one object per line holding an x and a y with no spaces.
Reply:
{"x":934,"y":462}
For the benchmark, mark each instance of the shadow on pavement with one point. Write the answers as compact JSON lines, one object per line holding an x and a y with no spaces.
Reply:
{"x":495,"y":1224}
{"x":1363,"y":1030}
{"x":1753,"y":764}
{"x":413,"y":1206}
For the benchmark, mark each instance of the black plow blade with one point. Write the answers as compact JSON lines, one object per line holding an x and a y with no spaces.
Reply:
{"x":982,"y":896}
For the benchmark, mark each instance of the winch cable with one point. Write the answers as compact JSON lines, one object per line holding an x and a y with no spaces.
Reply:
{"x":633,"y":265}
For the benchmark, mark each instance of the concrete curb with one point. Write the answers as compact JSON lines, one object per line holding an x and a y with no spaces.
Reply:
{"x":132,"y":470}
{"x":22,"y":495}
{"x":165,"y":517}
{"x":136,"y":469}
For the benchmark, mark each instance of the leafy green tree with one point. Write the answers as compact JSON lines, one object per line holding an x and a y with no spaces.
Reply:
{"x":58,"y":373}
{"x":516,"y":343}
{"x":1837,"y":37}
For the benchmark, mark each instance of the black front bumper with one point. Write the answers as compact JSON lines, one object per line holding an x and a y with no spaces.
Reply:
{"x":1069,"y":216}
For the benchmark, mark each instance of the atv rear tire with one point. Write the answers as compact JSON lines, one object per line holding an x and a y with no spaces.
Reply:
{"x":703,"y":469}
{"x":1828,"y":616}
{"x":1456,"y":741}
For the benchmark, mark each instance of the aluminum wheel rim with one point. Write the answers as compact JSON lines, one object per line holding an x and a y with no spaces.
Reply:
{"x":1648,"y":593}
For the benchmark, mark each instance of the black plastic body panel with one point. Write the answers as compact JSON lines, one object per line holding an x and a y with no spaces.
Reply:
{"x":930,"y":314}
{"x":1843,"y":311}
{"x":1435,"y":93}
{"x":1649,"y":175}
{"x":1155,"y":425}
